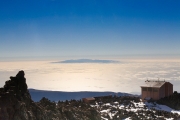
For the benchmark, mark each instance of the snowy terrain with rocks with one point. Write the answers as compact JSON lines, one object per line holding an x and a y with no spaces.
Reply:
{"x":132,"y":108}
{"x":16,"y":104}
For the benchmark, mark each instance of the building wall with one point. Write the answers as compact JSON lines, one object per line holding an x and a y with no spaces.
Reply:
{"x":164,"y":91}
{"x":143,"y":94}
{"x":168,"y":89}
{"x":156,"y":95}
{"x":152,"y":94}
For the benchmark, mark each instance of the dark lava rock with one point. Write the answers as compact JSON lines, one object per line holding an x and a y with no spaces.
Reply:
{"x":16,"y":104}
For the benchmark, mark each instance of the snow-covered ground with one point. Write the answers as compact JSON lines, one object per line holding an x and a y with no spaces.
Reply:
{"x":161,"y":107}
{"x":140,"y":110}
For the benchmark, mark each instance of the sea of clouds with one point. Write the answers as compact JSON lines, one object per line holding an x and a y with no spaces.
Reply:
{"x":126,"y":75}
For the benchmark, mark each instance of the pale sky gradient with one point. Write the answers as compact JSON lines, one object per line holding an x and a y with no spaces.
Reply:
{"x":31,"y":28}
{"x":53,"y":30}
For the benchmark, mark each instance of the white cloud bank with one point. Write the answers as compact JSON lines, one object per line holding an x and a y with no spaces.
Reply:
{"x":126,"y":76}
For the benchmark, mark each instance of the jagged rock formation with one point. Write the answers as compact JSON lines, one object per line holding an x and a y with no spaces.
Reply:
{"x":16,"y":104}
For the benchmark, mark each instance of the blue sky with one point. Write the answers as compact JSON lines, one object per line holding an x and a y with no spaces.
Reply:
{"x":89,"y":27}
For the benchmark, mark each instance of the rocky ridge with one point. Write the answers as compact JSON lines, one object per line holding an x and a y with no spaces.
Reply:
{"x":16,"y":104}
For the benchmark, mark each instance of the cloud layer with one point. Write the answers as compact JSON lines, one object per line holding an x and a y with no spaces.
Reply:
{"x":126,"y":76}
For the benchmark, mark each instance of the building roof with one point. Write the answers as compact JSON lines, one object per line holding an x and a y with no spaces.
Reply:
{"x":156,"y":84}
{"x":91,"y":98}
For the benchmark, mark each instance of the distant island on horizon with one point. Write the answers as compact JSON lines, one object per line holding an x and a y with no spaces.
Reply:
{"x":87,"y":61}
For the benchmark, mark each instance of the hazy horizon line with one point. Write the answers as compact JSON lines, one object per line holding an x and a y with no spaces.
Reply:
{"x":128,"y":56}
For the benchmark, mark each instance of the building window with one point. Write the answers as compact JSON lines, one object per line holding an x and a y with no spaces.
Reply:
{"x":144,"y":89}
{"x":149,"y":89}
{"x":155,"y":90}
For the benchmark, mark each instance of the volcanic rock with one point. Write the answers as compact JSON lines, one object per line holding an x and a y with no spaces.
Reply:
{"x":16,"y":104}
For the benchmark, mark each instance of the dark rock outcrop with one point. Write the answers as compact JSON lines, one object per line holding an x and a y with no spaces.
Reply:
{"x":16,"y":104}
{"x":172,"y":101}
